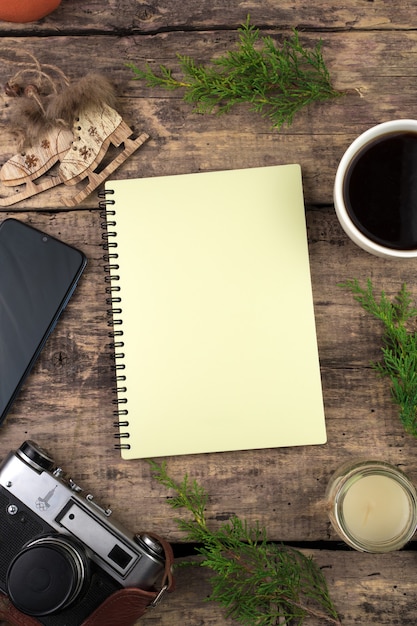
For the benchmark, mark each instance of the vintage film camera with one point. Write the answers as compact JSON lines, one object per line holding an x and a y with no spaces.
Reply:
{"x":60,"y":555}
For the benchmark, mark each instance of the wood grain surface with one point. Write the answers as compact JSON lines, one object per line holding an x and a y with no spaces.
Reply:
{"x":370,"y":48}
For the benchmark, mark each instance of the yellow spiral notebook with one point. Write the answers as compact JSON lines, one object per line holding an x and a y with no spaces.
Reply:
{"x":213,"y":313}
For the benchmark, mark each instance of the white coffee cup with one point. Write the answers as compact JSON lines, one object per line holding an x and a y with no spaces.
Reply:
{"x":354,"y":166}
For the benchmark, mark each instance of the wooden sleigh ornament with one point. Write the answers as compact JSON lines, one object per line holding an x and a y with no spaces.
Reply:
{"x":74,"y":137}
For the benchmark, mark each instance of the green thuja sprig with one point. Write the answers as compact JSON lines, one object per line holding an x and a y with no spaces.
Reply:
{"x":259,"y":583}
{"x":399,"y":345}
{"x":276,"y":82}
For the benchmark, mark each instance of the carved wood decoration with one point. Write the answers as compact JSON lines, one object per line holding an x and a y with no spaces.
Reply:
{"x":69,"y":132}
{"x":68,"y":157}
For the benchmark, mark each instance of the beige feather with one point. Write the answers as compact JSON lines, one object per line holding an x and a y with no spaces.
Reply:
{"x":34,"y":114}
{"x":78,"y":96}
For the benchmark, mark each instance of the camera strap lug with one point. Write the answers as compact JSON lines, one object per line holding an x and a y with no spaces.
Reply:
{"x":159,"y":597}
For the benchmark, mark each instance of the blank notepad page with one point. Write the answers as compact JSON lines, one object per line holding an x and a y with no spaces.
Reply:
{"x":220,"y":349}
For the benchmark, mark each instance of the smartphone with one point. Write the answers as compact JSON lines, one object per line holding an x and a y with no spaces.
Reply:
{"x":38,"y":275}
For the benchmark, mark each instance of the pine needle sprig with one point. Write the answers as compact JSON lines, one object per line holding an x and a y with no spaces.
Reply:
{"x":399,"y":345}
{"x":259,"y":583}
{"x":276,"y":82}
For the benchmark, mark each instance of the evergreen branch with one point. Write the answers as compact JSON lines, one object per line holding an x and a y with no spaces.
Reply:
{"x":276,"y":83}
{"x":399,"y":345}
{"x":258,"y":583}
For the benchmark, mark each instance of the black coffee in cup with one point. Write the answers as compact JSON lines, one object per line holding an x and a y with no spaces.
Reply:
{"x":380,"y":190}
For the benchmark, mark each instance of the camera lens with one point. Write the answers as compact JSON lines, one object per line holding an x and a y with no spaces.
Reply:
{"x":47,"y":576}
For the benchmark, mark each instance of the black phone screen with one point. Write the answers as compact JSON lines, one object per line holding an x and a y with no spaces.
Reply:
{"x":38,"y":274}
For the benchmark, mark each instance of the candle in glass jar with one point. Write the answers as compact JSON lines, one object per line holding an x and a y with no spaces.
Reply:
{"x":373,"y":506}
{"x":376,"y":508}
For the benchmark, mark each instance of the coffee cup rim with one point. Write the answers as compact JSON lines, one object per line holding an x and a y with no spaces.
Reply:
{"x":344,"y":218}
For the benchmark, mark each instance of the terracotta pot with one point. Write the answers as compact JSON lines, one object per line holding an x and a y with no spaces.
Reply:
{"x":26,"y":10}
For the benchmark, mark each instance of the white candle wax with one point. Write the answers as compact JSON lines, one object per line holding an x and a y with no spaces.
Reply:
{"x":372,"y":505}
{"x":376,"y":508}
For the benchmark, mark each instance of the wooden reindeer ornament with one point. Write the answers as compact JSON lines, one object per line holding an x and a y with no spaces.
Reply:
{"x":65,"y":133}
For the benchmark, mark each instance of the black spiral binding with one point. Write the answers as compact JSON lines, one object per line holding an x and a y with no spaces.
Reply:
{"x":114,"y":300}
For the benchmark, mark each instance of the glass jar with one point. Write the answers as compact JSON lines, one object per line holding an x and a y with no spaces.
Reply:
{"x":372,"y":506}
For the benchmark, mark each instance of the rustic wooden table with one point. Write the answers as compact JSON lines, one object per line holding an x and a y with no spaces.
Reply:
{"x":370,"y":49}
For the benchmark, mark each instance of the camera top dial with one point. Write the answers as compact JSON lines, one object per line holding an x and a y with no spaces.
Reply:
{"x":35,"y":456}
{"x":150,"y":544}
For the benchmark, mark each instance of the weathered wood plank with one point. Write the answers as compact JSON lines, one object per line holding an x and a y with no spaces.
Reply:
{"x":378,"y":69}
{"x":370,"y":590}
{"x":123,"y":15}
